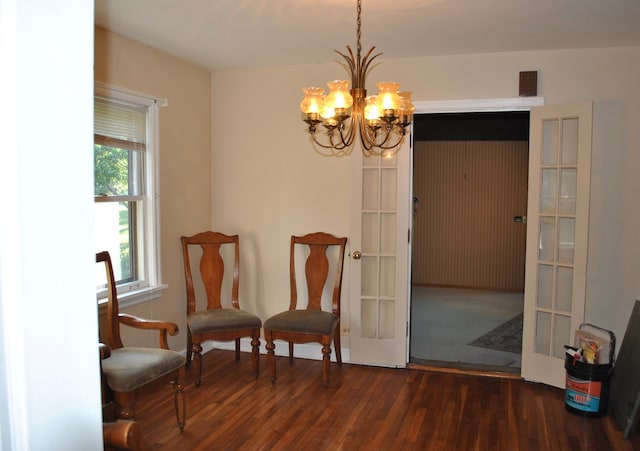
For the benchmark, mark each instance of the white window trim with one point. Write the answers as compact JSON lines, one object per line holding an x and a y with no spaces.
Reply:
{"x":130,"y":295}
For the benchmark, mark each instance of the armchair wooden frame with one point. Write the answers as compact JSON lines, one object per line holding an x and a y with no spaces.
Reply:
{"x":310,"y":324}
{"x":116,"y":434}
{"x":128,"y":368}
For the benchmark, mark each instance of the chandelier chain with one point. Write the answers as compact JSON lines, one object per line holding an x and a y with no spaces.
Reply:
{"x":359,"y":26}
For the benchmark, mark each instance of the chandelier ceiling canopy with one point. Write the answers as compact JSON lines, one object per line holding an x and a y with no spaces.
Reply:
{"x":334,"y":120}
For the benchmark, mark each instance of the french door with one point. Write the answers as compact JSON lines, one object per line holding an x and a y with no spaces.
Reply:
{"x":379,"y":258}
{"x":557,"y":237}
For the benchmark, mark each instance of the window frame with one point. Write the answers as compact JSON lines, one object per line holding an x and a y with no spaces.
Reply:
{"x":149,"y":284}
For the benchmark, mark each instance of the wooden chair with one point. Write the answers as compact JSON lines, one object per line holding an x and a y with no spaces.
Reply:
{"x":216,"y":322}
{"x":116,"y":434}
{"x":311,"y":324}
{"x":129,"y":368}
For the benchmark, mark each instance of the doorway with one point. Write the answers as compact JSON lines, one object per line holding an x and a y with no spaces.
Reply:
{"x":469,"y":232}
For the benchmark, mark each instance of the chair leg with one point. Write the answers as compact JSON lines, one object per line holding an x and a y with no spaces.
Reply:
{"x":237,"y":349}
{"x":197,"y":362}
{"x":290,"y":352}
{"x":255,"y":351}
{"x":189,"y":351}
{"x":178,"y":396}
{"x":326,"y":363}
{"x":271,"y":357}
{"x":337,"y":345}
{"x":124,"y":405}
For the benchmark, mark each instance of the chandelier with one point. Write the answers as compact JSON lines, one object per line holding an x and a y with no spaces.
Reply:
{"x":333,"y":120}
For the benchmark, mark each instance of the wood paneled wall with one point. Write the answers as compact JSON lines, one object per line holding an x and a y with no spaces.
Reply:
{"x":468,"y":194}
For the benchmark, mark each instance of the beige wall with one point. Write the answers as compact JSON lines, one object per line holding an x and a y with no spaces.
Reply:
{"x":464,"y":233}
{"x":185,"y":159}
{"x":268,"y":183}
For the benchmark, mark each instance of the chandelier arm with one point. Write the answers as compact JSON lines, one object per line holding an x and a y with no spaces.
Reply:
{"x":325,"y":146}
{"x":331,"y":152}
{"x":384,"y":144}
{"x":350,"y":134}
{"x":371,"y":148}
{"x":366,"y":140}
{"x":350,"y":63}
{"x":369,"y":142}
{"x":368,"y":58}
{"x":366,"y":62}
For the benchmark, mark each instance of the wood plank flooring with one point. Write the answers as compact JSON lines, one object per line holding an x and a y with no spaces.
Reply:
{"x":366,"y":408}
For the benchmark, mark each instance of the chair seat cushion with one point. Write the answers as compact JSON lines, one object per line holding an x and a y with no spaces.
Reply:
{"x":222,"y":320}
{"x":129,"y":368}
{"x":303,"y":321}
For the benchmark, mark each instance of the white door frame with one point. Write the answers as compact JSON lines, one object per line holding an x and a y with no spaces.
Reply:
{"x":465,"y":106}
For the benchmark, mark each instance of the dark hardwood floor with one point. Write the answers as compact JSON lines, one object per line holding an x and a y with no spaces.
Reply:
{"x":366,"y":408}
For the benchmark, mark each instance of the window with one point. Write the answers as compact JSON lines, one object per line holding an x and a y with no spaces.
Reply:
{"x":125,"y":190}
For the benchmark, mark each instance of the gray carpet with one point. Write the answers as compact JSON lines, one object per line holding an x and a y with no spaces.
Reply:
{"x":445,"y":320}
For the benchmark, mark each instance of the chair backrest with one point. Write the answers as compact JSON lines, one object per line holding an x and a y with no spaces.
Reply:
{"x":317,"y":269}
{"x":113,"y":325}
{"x":211,"y":268}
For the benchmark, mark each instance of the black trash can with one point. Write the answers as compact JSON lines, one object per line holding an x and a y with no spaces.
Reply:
{"x":587,"y":388}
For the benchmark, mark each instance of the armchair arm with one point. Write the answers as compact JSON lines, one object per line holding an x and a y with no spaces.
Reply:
{"x":163,"y":327}
{"x":105,"y":351}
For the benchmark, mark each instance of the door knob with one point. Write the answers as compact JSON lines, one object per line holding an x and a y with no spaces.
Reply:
{"x":356,"y":255}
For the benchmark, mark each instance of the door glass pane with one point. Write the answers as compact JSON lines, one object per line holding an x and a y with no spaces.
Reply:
{"x":369,"y":318}
{"x":547,"y":238}
{"x":369,"y":276}
{"x":388,"y":233}
{"x":564,"y":289}
{"x":543,"y":333}
{"x":370,"y":189}
{"x":545,"y":286}
{"x":549,"y":190}
{"x":387,"y":276}
{"x":568,"y":183}
{"x":566,"y":238}
{"x":379,"y":235}
{"x":389,"y":189}
{"x":549,"y":141}
{"x":387,"y":319}
{"x":569,"y":151}
{"x":370,"y":233}
{"x":561,"y":335}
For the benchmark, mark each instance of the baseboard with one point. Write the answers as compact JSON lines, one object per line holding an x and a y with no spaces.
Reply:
{"x":312,"y":351}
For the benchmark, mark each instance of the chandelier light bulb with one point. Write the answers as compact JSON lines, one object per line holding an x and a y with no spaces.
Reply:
{"x":313,"y":103}
{"x":388,"y":97}
{"x":327,"y":112}
{"x":339,"y":96}
{"x":406,"y":108}
{"x":371,"y":110}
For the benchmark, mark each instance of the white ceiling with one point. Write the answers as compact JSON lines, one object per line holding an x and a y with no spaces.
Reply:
{"x":225,"y":34}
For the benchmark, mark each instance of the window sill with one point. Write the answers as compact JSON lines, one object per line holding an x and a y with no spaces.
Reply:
{"x":137,"y":297}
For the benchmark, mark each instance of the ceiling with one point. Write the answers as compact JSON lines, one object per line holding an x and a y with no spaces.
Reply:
{"x":230,"y":34}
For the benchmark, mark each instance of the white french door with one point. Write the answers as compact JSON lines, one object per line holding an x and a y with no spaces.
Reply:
{"x":379,"y":258}
{"x":557,"y":237}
